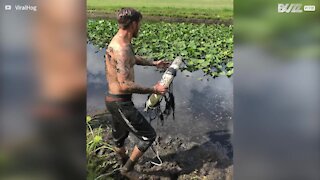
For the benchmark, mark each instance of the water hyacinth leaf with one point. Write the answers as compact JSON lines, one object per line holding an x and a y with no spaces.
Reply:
{"x":205,"y":64}
{"x":222,"y":73}
{"x":184,"y":53}
{"x":202,"y":46}
{"x":230,"y":64}
{"x":230,"y":73}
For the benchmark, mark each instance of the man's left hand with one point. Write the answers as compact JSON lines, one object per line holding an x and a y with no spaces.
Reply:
{"x":162,"y":64}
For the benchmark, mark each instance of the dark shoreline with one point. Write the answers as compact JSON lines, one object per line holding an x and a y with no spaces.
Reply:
{"x":103,"y":15}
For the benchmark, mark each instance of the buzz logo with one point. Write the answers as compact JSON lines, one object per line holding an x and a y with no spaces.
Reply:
{"x":309,"y":8}
{"x":289,"y":8}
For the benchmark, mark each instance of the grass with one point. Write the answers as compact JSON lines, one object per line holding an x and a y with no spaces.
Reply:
{"x":99,"y":158}
{"x":202,"y":9}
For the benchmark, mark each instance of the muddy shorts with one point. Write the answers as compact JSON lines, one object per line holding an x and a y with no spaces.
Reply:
{"x":126,"y":118}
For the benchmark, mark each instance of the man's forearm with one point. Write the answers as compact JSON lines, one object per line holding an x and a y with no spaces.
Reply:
{"x":131,"y":87}
{"x":144,"y":62}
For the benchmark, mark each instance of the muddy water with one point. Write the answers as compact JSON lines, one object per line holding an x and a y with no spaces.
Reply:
{"x":203,"y":107}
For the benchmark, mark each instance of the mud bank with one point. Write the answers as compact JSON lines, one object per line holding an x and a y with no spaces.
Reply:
{"x":182,"y":158}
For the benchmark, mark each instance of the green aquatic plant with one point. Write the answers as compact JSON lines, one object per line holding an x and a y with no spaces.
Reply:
{"x":204,"y":47}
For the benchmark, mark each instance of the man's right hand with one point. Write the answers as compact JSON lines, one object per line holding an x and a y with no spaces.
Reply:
{"x":160,"y":89}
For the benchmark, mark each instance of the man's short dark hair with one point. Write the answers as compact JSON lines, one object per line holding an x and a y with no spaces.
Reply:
{"x":126,"y":16}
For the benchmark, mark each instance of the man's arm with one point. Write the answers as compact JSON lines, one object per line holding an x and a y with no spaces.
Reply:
{"x":144,"y":62}
{"x":127,"y":85}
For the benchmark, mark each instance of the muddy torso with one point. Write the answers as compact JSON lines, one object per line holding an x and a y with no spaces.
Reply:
{"x":114,"y":52}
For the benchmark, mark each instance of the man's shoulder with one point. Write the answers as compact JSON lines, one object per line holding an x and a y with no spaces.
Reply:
{"x":119,"y":45}
{"x":121,"y":48}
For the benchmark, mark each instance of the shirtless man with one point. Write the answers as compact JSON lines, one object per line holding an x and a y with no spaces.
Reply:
{"x":120,"y":60}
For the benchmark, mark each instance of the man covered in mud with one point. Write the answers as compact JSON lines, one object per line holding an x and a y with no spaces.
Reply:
{"x":120,"y":61}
